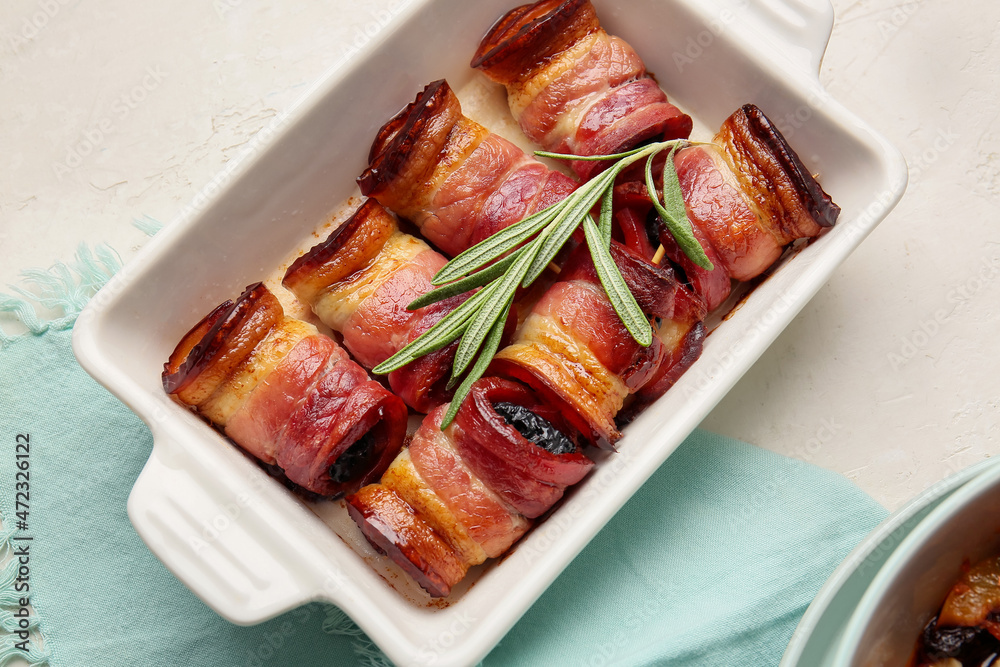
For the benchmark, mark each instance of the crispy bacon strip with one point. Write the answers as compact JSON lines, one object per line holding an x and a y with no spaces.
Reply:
{"x":455,"y":180}
{"x":572,"y":87}
{"x":359,"y":282}
{"x":287,"y":395}
{"x":575,"y":351}
{"x":792,"y":202}
{"x":635,"y":218}
{"x":459,"y":496}
{"x":392,"y":527}
{"x":530,"y":478}
{"x":747,"y":196}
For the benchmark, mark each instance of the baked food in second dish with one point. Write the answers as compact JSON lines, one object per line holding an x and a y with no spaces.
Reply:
{"x":287,"y":395}
{"x":572,"y":87}
{"x":453,"y":178}
{"x":966,"y":632}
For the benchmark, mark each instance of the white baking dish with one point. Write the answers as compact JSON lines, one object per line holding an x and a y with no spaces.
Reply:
{"x":250,"y":549}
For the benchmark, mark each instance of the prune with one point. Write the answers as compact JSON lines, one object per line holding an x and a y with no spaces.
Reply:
{"x":534,"y":428}
{"x":968,"y":645}
{"x":354,"y":461}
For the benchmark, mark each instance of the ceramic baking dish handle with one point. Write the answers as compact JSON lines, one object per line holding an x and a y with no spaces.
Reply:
{"x":212,"y":530}
{"x":798,"y":29}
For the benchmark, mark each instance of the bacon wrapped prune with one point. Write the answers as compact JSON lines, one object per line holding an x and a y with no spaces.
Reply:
{"x":287,"y":395}
{"x":572,"y":87}
{"x":747,"y":196}
{"x":453,"y":178}
{"x":459,"y":496}
{"x":574,"y":349}
{"x":359,"y":282}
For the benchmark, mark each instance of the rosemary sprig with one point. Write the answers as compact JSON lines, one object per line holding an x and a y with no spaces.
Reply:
{"x":490,"y":312}
{"x":622,"y":300}
{"x":673,"y":212}
{"x":605,"y":224}
{"x":490,"y":347}
{"x":449,"y":328}
{"x":477,"y":279}
{"x":511,"y":258}
{"x":503,"y":241}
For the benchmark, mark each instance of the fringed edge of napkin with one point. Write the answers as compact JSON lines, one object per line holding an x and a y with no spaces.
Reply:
{"x":12,"y":645}
{"x":340,"y":624}
{"x":65,"y":287}
{"x":367,"y":653}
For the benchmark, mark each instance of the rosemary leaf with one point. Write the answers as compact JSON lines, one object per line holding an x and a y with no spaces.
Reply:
{"x":496,"y":245}
{"x":487,"y":316}
{"x":673,"y":197}
{"x":490,"y":347}
{"x":552,"y":243}
{"x":477,"y":279}
{"x":498,"y":319}
{"x":606,"y":221}
{"x":614,"y":285}
{"x":450,"y":327}
{"x":676,"y":219}
{"x":635,"y":152}
{"x":510,"y":262}
{"x":575,"y":206}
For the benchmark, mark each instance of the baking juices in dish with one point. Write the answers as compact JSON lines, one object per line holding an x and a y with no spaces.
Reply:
{"x":477,"y":474}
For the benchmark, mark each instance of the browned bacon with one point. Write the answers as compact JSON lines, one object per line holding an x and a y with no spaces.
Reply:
{"x":359,"y":282}
{"x":459,"y":183}
{"x":572,"y":87}
{"x":747,"y":196}
{"x":394,"y":528}
{"x":575,"y":351}
{"x":287,"y":395}
{"x":791,"y":200}
{"x":459,"y":496}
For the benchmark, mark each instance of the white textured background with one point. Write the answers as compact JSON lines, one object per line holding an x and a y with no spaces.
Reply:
{"x":118,"y":110}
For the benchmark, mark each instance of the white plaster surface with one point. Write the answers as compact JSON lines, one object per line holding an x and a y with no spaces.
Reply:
{"x":890,"y":374}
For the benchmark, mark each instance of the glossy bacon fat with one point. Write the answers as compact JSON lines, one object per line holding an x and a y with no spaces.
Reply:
{"x":572,"y":87}
{"x":359,"y":282}
{"x":575,"y":351}
{"x":459,"y":183}
{"x":287,"y":395}
{"x":459,"y":496}
{"x":747,"y":196}
{"x":789,"y":196}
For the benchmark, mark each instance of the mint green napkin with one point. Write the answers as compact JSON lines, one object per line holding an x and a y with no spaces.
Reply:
{"x":713,"y":562}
